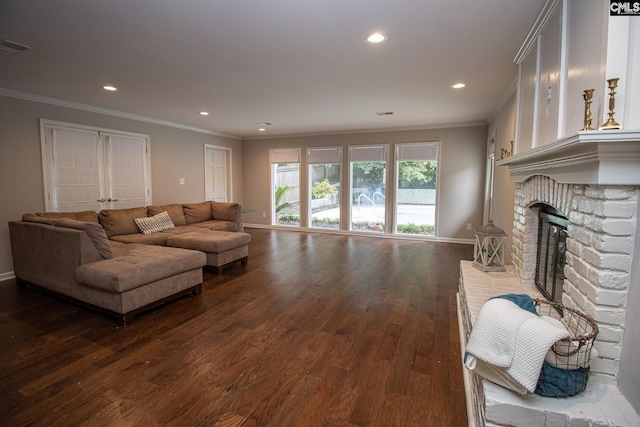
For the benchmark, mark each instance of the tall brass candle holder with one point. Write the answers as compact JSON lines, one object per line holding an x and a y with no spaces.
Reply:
{"x":611,"y":124}
{"x":588,"y":96}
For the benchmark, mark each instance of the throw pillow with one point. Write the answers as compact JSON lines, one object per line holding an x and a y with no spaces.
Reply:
{"x":155,"y":224}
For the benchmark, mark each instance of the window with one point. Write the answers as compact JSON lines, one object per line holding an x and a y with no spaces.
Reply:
{"x":368,"y":168}
{"x":324,"y":187}
{"x":285,"y":180}
{"x":93,"y":169}
{"x":416,"y":182}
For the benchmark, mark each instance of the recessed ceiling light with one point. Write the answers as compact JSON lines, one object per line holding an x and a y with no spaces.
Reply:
{"x":458,"y":86}
{"x":376,"y":38}
{"x":109,"y":88}
{"x":204,"y":113}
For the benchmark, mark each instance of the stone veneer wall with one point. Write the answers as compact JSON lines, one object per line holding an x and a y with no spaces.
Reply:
{"x":599,"y":252}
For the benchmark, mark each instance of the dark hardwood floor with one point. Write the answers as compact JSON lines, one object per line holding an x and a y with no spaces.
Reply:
{"x":317,"y":330}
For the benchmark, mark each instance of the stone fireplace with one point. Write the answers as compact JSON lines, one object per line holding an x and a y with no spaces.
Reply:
{"x":593,"y":180}
{"x":600,"y":243}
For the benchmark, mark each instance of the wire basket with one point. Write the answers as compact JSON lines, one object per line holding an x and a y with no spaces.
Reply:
{"x":566,"y":368}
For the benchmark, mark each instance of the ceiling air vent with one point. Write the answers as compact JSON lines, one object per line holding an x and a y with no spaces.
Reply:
{"x":7,"y":46}
{"x":385,"y":113}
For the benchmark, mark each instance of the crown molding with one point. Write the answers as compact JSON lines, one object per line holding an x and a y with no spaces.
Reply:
{"x":536,"y":29}
{"x":108,"y":112}
{"x":505,"y":98}
{"x":364,"y":131}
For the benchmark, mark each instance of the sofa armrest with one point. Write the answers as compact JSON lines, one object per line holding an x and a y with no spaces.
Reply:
{"x":48,"y":256}
{"x":228,"y":212}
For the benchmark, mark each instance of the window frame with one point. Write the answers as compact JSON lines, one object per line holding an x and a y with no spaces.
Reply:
{"x":396,"y":182}
{"x":310,"y":164}
{"x":385,"y":181}
{"x":284,"y":155}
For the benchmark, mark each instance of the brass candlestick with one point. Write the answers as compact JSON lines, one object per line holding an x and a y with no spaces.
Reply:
{"x":611,"y":124}
{"x":588,"y":95}
{"x":506,"y":153}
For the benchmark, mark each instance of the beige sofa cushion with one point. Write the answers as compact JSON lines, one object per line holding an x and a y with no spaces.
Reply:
{"x":225,"y":211}
{"x":86,"y":216}
{"x":29,"y":217}
{"x":159,"y":239}
{"x":175,"y":213}
{"x":211,"y":242}
{"x":137,"y":265}
{"x":197,"y":212}
{"x":217,"y":225}
{"x":121,"y":221}
{"x":94,"y":231}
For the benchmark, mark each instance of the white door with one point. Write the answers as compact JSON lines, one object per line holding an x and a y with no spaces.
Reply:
{"x":216,"y":173}
{"x":77,"y":179}
{"x":126,"y":181}
{"x":86,"y":169}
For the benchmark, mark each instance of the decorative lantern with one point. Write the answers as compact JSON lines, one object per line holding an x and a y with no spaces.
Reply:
{"x":488,"y":250}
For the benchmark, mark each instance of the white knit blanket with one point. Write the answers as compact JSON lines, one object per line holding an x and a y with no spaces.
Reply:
{"x":508,"y":345}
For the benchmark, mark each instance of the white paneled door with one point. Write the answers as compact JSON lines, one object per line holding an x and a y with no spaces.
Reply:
{"x":216,"y":173}
{"x":127,"y":171}
{"x":77,"y":179}
{"x":86,"y":169}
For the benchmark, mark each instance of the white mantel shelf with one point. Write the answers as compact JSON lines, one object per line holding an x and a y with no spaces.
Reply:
{"x":589,"y":157}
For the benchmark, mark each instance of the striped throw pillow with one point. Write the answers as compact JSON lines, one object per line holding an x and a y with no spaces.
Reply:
{"x":155,"y":224}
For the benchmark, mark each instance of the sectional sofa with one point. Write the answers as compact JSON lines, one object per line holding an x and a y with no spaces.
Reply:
{"x":125,"y":261}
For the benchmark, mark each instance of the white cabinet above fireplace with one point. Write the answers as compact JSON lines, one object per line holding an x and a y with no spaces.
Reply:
{"x":575,"y":45}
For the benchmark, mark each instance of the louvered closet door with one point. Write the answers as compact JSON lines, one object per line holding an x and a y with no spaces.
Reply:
{"x":127,"y":171}
{"x":76,"y":169}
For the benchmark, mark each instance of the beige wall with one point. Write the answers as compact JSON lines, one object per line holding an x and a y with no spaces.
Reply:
{"x":175,"y":154}
{"x":460,"y":187}
{"x":503,"y":125}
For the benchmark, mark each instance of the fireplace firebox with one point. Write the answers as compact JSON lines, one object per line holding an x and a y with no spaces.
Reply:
{"x":552,"y":247}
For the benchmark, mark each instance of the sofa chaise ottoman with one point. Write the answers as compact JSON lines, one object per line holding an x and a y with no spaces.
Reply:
{"x":221,"y":247}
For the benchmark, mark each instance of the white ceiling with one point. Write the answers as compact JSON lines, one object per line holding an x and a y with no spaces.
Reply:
{"x":303,"y":65}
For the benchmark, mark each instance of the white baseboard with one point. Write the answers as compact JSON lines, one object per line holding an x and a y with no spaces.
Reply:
{"x":362,"y":233}
{"x":7,"y":276}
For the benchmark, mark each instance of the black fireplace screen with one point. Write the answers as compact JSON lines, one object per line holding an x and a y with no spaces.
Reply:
{"x":552,"y":245}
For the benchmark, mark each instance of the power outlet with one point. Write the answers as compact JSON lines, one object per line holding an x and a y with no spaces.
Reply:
{"x":264,"y":214}
{"x":468,"y":226}
{"x":181,"y":181}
